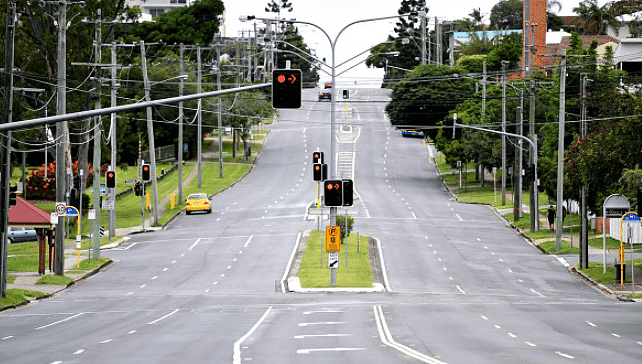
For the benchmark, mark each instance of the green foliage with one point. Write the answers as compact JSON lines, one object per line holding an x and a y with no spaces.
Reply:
{"x":341,"y":221}
{"x":194,"y":24}
{"x":423,"y":104}
{"x":55,"y":279}
{"x":507,"y":14}
{"x":472,"y":63}
{"x":85,"y":264}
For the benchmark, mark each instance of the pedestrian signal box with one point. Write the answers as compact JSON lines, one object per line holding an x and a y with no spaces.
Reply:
{"x":332,"y":239}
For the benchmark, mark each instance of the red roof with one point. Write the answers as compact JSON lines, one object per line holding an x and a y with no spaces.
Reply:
{"x":25,"y":213}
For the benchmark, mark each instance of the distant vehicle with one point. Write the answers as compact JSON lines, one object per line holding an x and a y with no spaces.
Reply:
{"x":325,"y":94}
{"x":20,"y":234}
{"x":197,"y":202}
{"x":412,"y":133}
{"x":328,"y":85}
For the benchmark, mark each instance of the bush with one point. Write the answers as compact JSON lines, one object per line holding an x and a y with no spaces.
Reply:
{"x":341,"y":222}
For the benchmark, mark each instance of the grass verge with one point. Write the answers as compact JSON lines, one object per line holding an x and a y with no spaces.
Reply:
{"x":18,"y":296}
{"x":595,"y":271}
{"x":54,"y":279}
{"x":313,"y":274}
{"x":94,"y":264}
{"x":549,"y":247}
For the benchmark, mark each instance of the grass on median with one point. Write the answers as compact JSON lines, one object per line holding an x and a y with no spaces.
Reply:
{"x":54,"y":279}
{"x":357,"y":274}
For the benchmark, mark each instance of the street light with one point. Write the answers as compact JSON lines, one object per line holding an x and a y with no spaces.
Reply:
{"x":333,"y":141}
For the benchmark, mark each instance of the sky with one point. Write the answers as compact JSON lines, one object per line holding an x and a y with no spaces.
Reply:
{"x":333,"y":15}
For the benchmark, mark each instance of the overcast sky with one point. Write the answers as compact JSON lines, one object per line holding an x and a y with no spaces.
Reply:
{"x":333,"y":15}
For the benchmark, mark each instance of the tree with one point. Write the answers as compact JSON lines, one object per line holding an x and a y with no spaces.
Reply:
{"x":596,"y":17}
{"x":194,"y":24}
{"x":274,"y":7}
{"x":507,"y":14}
{"x":419,"y":104}
{"x":246,"y":109}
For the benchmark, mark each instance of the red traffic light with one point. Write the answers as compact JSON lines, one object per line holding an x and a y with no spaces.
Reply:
{"x":281,"y":78}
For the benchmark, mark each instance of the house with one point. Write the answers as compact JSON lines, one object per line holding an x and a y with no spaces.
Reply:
{"x":154,"y":8}
{"x":553,"y":49}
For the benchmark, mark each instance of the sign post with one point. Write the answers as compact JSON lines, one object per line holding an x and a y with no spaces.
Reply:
{"x":629,"y":223}
{"x":614,"y":206}
{"x":332,"y":247}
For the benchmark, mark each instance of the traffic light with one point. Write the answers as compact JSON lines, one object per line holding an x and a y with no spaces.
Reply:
{"x":137,"y":189}
{"x":146,"y":173}
{"x":317,"y":157}
{"x":111,"y":179}
{"x":529,"y":174}
{"x":286,"y":89}
{"x":333,"y":192}
{"x":347,"y":192}
{"x":13,"y":194}
{"x":346,"y":94}
{"x":319,"y":172}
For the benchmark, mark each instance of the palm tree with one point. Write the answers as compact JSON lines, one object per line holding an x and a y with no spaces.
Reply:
{"x":550,"y":4}
{"x":596,"y":17}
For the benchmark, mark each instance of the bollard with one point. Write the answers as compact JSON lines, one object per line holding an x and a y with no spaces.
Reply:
{"x":172,"y":199}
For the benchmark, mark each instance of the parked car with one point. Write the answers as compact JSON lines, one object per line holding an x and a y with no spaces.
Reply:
{"x":20,"y":234}
{"x":325,"y":94}
{"x":197,"y":202}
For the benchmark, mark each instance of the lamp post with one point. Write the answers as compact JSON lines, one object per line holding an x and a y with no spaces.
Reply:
{"x":333,"y":43}
{"x":63,"y":152}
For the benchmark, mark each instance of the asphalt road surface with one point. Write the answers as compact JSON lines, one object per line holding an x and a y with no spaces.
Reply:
{"x":464,"y":288}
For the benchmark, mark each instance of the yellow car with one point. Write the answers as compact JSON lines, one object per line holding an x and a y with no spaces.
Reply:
{"x":197,"y":202}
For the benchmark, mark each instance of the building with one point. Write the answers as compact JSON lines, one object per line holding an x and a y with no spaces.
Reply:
{"x":153,"y":8}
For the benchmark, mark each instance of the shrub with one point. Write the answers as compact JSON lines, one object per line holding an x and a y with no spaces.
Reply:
{"x":341,"y":222}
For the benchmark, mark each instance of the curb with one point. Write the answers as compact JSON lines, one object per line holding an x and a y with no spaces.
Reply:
{"x":599,"y":285}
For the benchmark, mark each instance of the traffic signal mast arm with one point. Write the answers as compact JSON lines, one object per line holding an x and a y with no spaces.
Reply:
{"x":533,"y":144}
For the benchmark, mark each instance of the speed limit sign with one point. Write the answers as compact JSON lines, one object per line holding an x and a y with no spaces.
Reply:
{"x":61,"y":208}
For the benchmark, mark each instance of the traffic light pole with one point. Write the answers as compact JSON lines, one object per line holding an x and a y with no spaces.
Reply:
{"x":529,"y":141}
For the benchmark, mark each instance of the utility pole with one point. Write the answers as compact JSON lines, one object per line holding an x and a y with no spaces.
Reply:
{"x":7,"y":111}
{"x":520,"y":144}
{"x":583,"y":207}
{"x":150,"y":134}
{"x":560,"y":155}
{"x":483,"y":110}
{"x":438,"y":55}
{"x":62,"y":135}
{"x":220,"y":119}
{"x":423,"y":39}
{"x":504,"y":65}
{"x":95,"y":235}
{"x":199,"y":113}
{"x":451,"y":46}
{"x":114,"y":143}
{"x":181,"y":87}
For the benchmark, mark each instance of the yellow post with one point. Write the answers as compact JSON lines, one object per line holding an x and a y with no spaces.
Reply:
{"x":147,"y":201}
{"x":172,"y":198}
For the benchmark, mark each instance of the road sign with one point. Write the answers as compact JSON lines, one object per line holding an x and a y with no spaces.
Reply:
{"x":53,"y":218}
{"x":332,"y":239}
{"x":108,"y":205}
{"x":91,"y":214}
{"x":333,"y":260}
{"x":103,"y":189}
{"x":185,"y":147}
{"x":61,"y":207}
{"x":131,"y":180}
{"x":71,"y":211}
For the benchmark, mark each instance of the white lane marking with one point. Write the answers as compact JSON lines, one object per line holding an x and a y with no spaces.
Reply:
{"x":219,"y":219}
{"x":451,"y":278}
{"x":563,"y":261}
{"x":131,"y":332}
{"x":130,"y":293}
{"x":6,"y":337}
{"x":501,"y":260}
{"x":445,"y":268}
{"x":106,"y":341}
{"x":207,"y":291}
{"x":484,"y":317}
{"x":215,"y":283}
{"x":434,"y":251}
{"x":326,"y":311}
{"x":154,"y":277}
{"x":320,"y":335}
{"x":162,"y":318}
{"x":478,"y":239}
{"x":222,"y":275}
{"x":79,"y":351}
{"x":564,"y":355}
{"x":590,"y":323}
{"x":639,"y":342}
{"x":510,"y":270}
{"x":497,"y":326}
{"x":195,"y":244}
{"x":305,"y":324}
{"x":460,"y":290}
{"x":511,"y":334}
{"x":235,"y":259}
{"x":459,"y":217}
{"x":58,"y":322}
{"x":248,"y":241}
{"x":529,"y":343}
{"x":229,"y":267}
{"x":492,"y":253}
{"x":236,"y":357}
{"x":165,"y":270}
{"x":240,"y":252}
{"x":143,"y":286}
{"x":308,"y":351}
{"x":56,"y":362}
{"x":413,"y":215}
{"x":173,"y":261}
{"x":182,"y":255}
{"x":534,"y":291}
{"x":616,"y":335}
{"x":386,"y":339}
{"x":519,"y":280}
{"x":439,"y":259}
{"x":485,"y":247}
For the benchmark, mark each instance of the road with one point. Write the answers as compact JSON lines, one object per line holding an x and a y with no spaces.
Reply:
{"x":463,"y":287}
